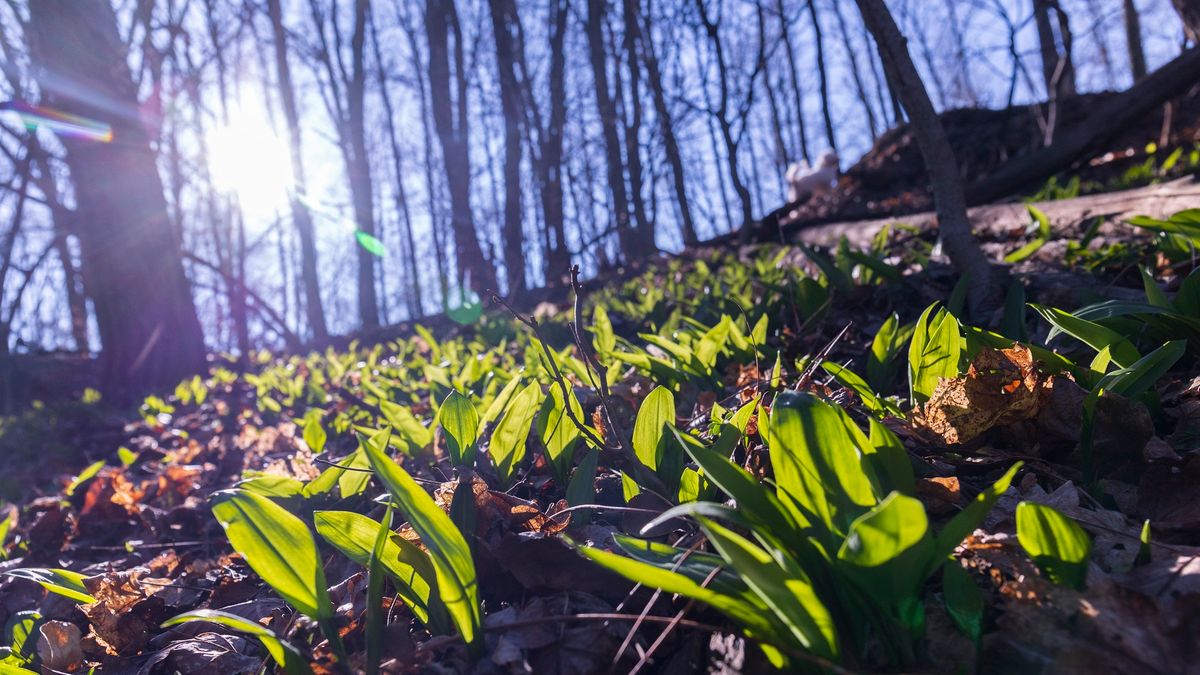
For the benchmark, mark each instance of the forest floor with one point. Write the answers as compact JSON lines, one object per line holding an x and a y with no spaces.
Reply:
{"x":1088,"y":376}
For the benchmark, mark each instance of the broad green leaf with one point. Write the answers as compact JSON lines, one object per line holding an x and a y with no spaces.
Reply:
{"x":507,"y":447}
{"x":934,"y":352}
{"x":279,"y":487}
{"x":1057,"y":544}
{"x":22,"y":626}
{"x":964,"y":600}
{"x":885,"y":347}
{"x":758,"y":623}
{"x":1142,"y":375}
{"x":605,"y":340}
{"x":127,"y":456}
{"x":406,"y":426}
{"x":63,"y":582}
{"x":284,"y":654}
{"x":891,"y":460}
{"x":448,"y":550}
{"x":1154,"y":294}
{"x":375,"y":582}
{"x":556,"y":430}
{"x":655,"y":416}
{"x":357,"y":475}
{"x":460,"y":425}
{"x":582,"y":488}
{"x":499,"y":404}
{"x":817,"y":459}
{"x":314,"y":433}
{"x":278,"y":547}
{"x":754,"y":499}
{"x":355,"y":536}
{"x":786,"y":591}
{"x":1042,"y":223}
{"x":885,"y":532}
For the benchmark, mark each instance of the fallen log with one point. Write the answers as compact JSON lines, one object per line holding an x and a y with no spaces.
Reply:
{"x":1073,"y":144}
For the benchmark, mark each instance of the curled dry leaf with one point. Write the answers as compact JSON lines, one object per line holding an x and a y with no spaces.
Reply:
{"x":1002,"y":386}
{"x":58,"y":646}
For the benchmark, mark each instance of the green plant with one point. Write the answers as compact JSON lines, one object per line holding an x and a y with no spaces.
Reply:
{"x":447,"y":549}
{"x":63,"y":582}
{"x":1056,"y":543}
{"x":836,"y":555}
{"x":279,"y":548}
{"x":934,"y":352}
{"x":285,"y":655}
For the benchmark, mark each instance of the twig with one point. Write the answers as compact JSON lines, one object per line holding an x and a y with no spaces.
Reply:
{"x":819,"y":357}
{"x":600,"y":383}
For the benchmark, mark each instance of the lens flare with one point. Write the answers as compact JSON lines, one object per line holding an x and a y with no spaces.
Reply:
{"x":63,"y":124}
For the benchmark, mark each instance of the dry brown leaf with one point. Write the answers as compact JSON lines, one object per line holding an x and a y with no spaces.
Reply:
{"x":1002,"y":386}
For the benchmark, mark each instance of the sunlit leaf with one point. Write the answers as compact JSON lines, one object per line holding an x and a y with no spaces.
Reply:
{"x":1057,"y":544}
{"x":284,"y":654}
{"x":63,"y":582}
{"x":460,"y":424}
{"x":370,"y":243}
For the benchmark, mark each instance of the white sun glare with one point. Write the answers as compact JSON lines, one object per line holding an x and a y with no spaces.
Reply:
{"x":251,"y":162}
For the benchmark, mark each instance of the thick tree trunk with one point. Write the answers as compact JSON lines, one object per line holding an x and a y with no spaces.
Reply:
{"x":607,"y":110}
{"x":503,"y":15}
{"x":450,"y":123}
{"x":1133,"y":40}
{"x":633,"y":127}
{"x":132,"y":265}
{"x":301,"y":216}
{"x":949,"y":199}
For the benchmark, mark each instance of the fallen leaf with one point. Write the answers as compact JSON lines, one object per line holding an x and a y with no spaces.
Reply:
{"x":1000,"y":387}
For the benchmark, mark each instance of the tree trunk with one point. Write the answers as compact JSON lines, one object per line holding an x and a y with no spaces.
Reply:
{"x":558,"y":258}
{"x":859,"y":87}
{"x":144,"y":309}
{"x":822,"y":75}
{"x":1058,"y":72}
{"x":358,"y":166}
{"x":414,"y":281}
{"x":450,"y":123}
{"x":1133,"y":41}
{"x":667,"y":128}
{"x":301,"y":216}
{"x":1189,"y":13}
{"x":607,"y":110}
{"x":949,"y":199}
{"x":503,"y":15}
{"x":633,"y":127}
{"x":785,"y":32}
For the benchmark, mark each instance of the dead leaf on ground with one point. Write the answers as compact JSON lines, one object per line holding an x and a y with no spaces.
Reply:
{"x":1002,"y":386}
{"x":58,"y":646}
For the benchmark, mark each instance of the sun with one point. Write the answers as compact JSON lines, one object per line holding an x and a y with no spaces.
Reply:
{"x":250,"y":162}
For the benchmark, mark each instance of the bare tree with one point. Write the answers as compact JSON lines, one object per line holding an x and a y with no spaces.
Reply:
{"x":450,"y":121}
{"x":144,"y":311}
{"x":301,"y":216}
{"x":949,"y":198}
{"x":1133,"y":40}
{"x":503,"y":19}
{"x":822,"y":74}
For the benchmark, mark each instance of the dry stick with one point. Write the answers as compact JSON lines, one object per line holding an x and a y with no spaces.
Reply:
{"x":600,"y":382}
{"x":643,"y":475}
{"x":671,"y":626}
{"x":819,"y":358}
{"x":650,"y":604}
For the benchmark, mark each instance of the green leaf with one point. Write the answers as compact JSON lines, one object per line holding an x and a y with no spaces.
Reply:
{"x":1091,"y":333}
{"x":278,"y":547}
{"x":964,"y":600}
{"x":284,"y":654}
{"x":314,"y":433}
{"x":786,"y":591}
{"x":655,"y":416}
{"x":84,"y":476}
{"x":127,"y":456}
{"x":375,"y":580}
{"x":460,"y":425}
{"x":63,"y":582}
{"x":448,"y":550}
{"x":753,"y":499}
{"x":355,"y":536}
{"x":582,"y":488}
{"x":1154,"y":295}
{"x":605,"y":340}
{"x":557,"y":432}
{"x":499,"y":404}
{"x":1140,"y":377}
{"x":1043,"y":229}
{"x":22,"y":636}
{"x":507,"y":447}
{"x":279,"y":487}
{"x":1056,"y":543}
{"x":934,"y":352}
{"x":817,"y":459}
{"x":885,"y":532}
{"x":1012,"y":324}
{"x":885,"y":347}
